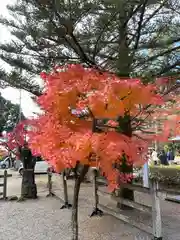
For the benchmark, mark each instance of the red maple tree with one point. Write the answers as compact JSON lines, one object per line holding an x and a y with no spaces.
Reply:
{"x":16,"y":138}
{"x":65,"y":138}
{"x":76,"y":97}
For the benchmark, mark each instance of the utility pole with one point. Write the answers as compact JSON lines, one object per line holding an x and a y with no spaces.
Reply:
{"x":20,"y":103}
{"x":20,"y":100}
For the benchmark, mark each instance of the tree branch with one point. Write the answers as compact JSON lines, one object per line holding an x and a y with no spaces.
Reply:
{"x":102,"y":31}
{"x":149,"y":18}
{"x":138,"y":32}
{"x":149,"y":105}
{"x":168,"y":68}
{"x":157,"y":55}
{"x":69,"y":31}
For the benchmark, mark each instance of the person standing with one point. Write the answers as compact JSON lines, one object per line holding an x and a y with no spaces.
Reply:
{"x":170,"y":156}
{"x":154,"y":157}
{"x":163,"y":158}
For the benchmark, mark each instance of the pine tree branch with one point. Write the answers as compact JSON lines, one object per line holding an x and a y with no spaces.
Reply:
{"x":69,"y":31}
{"x":133,"y":11}
{"x":153,"y":14}
{"x":140,"y":23}
{"x":102,"y":31}
{"x":79,"y":49}
{"x":160,"y":44}
{"x":168,"y":68}
{"x":15,"y":80}
{"x":154,"y":57}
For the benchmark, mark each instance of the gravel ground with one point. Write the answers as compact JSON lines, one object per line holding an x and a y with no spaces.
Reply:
{"x":42,"y":218}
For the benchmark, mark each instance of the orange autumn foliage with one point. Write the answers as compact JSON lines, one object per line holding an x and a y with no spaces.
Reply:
{"x":64,"y":138}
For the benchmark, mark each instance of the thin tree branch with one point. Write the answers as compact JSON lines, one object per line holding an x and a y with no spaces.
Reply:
{"x":174,"y":87}
{"x":140,"y":25}
{"x":102,"y":31}
{"x":157,"y":55}
{"x":136,"y":135}
{"x":132,"y":13}
{"x":141,"y":122}
{"x":80,"y":51}
{"x":148,"y":19}
{"x":168,"y":68}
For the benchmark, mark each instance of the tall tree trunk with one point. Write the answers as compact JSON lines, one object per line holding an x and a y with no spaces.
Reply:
{"x":124,"y":63}
{"x":125,"y":56}
{"x":125,"y":128}
{"x":28,"y":188}
{"x":78,"y":181}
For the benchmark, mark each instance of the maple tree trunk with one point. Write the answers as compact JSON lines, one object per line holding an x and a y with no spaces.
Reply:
{"x":78,"y":181}
{"x":125,"y":128}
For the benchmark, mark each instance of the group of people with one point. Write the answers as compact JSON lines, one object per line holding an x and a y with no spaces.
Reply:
{"x":162,"y":157}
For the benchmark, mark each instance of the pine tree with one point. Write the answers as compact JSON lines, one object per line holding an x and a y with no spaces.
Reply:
{"x":131,"y":38}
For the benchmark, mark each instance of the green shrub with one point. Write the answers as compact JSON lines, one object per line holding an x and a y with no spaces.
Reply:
{"x":166,"y":174}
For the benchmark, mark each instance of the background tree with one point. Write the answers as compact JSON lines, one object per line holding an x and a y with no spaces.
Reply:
{"x":14,"y":139}
{"x":9,"y":115}
{"x":16,"y":144}
{"x":138,"y":38}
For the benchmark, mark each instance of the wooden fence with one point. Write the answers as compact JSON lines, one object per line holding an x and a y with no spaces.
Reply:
{"x":4,"y":184}
{"x":154,"y":191}
{"x":154,"y":210}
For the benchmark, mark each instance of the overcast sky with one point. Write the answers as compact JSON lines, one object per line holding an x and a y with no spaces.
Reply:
{"x":11,"y":94}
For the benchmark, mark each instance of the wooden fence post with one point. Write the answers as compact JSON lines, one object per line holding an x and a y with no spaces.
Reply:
{"x":5,"y":185}
{"x":146,"y":175}
{"x":66,"y":201}
{"x":156,"y":212}
{"x":96,"y":211}
{"x":50,"y":194}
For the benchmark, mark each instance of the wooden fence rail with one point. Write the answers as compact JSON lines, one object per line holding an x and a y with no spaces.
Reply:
{"x":155,"y":210}
{"x":4,"y":184}
{"x":154,"y":191}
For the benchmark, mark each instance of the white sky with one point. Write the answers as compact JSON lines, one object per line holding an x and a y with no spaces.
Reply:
{"x":28,"y":107}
